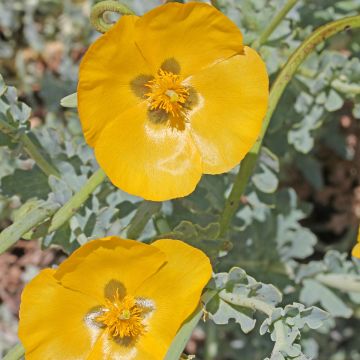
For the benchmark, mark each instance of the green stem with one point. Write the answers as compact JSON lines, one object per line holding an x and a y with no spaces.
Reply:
{"x":161,"y":225}
{"x":33,"y":151}
{"x":29,"y":146}
{"x":15,"y":353}
{"x":277,"y":89}
{"x":274,"y":23}
{"x":69,"y":209}
{"x":211,"y":345}
{"x":237,"y":190}
{"x":98,"y":10}
{"x":184,"y":334}
{"x":39,"y":214}
{"x":14,"y":232}
{"x":298,"y":57}
{"x":144,"y":213}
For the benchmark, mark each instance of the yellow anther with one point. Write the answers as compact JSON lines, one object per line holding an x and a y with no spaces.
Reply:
{"x":123,"y":317}
{"x":167,"y":93}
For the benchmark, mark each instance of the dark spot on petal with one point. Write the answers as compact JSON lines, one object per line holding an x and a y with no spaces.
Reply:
{"x":111,"y":287}
{"x":138,"y":85}
{"x":192,"y":100}
{"x":126,"y":341}
{"x":158,"y":116}
{"x":171,"y":65}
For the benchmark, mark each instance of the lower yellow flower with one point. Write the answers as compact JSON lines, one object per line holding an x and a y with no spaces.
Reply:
{"x":112,"y":299}
{"x":356,"y":249}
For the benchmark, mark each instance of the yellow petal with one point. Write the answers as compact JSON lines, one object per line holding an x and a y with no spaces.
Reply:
{"x":150,"y":160}
{"x":176,"y":289}
{"x":106,"y":72}
{"x":107,"y":349}
{"x":101,"y":264}
{"x":194,"y":35}
{"x":51,"y":316}
{"x":233,"y":101}
{"x":356,"y":251}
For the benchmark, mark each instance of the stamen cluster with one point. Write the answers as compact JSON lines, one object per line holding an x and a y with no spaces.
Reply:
{"x":167,"y":93}
{"x":123,"y":317}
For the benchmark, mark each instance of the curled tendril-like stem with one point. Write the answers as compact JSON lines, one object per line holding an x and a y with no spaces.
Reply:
{"x":98,"y":10}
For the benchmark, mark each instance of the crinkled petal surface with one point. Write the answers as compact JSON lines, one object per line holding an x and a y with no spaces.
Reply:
{"x":107,"y":69}
{"x":176,"y":289}
{"x":229,"y":116}
{"x":52,"y":320}
{"x":150,"y":160}
{"x":100,"y":263}
{"x":195,"y":35}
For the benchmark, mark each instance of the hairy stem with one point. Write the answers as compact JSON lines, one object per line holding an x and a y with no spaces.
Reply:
{"x":183,"y":335}
{"x":15,"y":353}
{"x":238,"y":188}
{"x":46,"y":210}
{"x":98,"y":11}
{"x":211,"y":345}
{"x":24,"y":224}
{"x":277,"y":89}
{"x":69,"y":209}
{"x":33,"y":151}
{"x":274,"y":23}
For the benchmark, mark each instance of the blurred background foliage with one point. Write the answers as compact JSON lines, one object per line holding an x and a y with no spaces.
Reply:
{"x":296,"y":222}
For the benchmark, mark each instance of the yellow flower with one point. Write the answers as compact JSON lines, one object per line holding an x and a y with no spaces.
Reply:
{"x":356,"y":249}
{"x":112,"y":299}
{"x":169,"y":96}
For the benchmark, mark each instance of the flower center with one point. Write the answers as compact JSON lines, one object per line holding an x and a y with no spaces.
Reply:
{"x":123,"y":317}
{"x":167,"y":93}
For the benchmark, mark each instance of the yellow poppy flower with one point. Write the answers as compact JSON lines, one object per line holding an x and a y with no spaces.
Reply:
{"x":112,"y":299}
{"x":356,"y":249}
{"x":168,"y":96}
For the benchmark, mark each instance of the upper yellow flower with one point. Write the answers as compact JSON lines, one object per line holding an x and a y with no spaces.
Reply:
{"x":168,"y":96}
{"x":112,"y":299}
{"x":356,"y":249}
